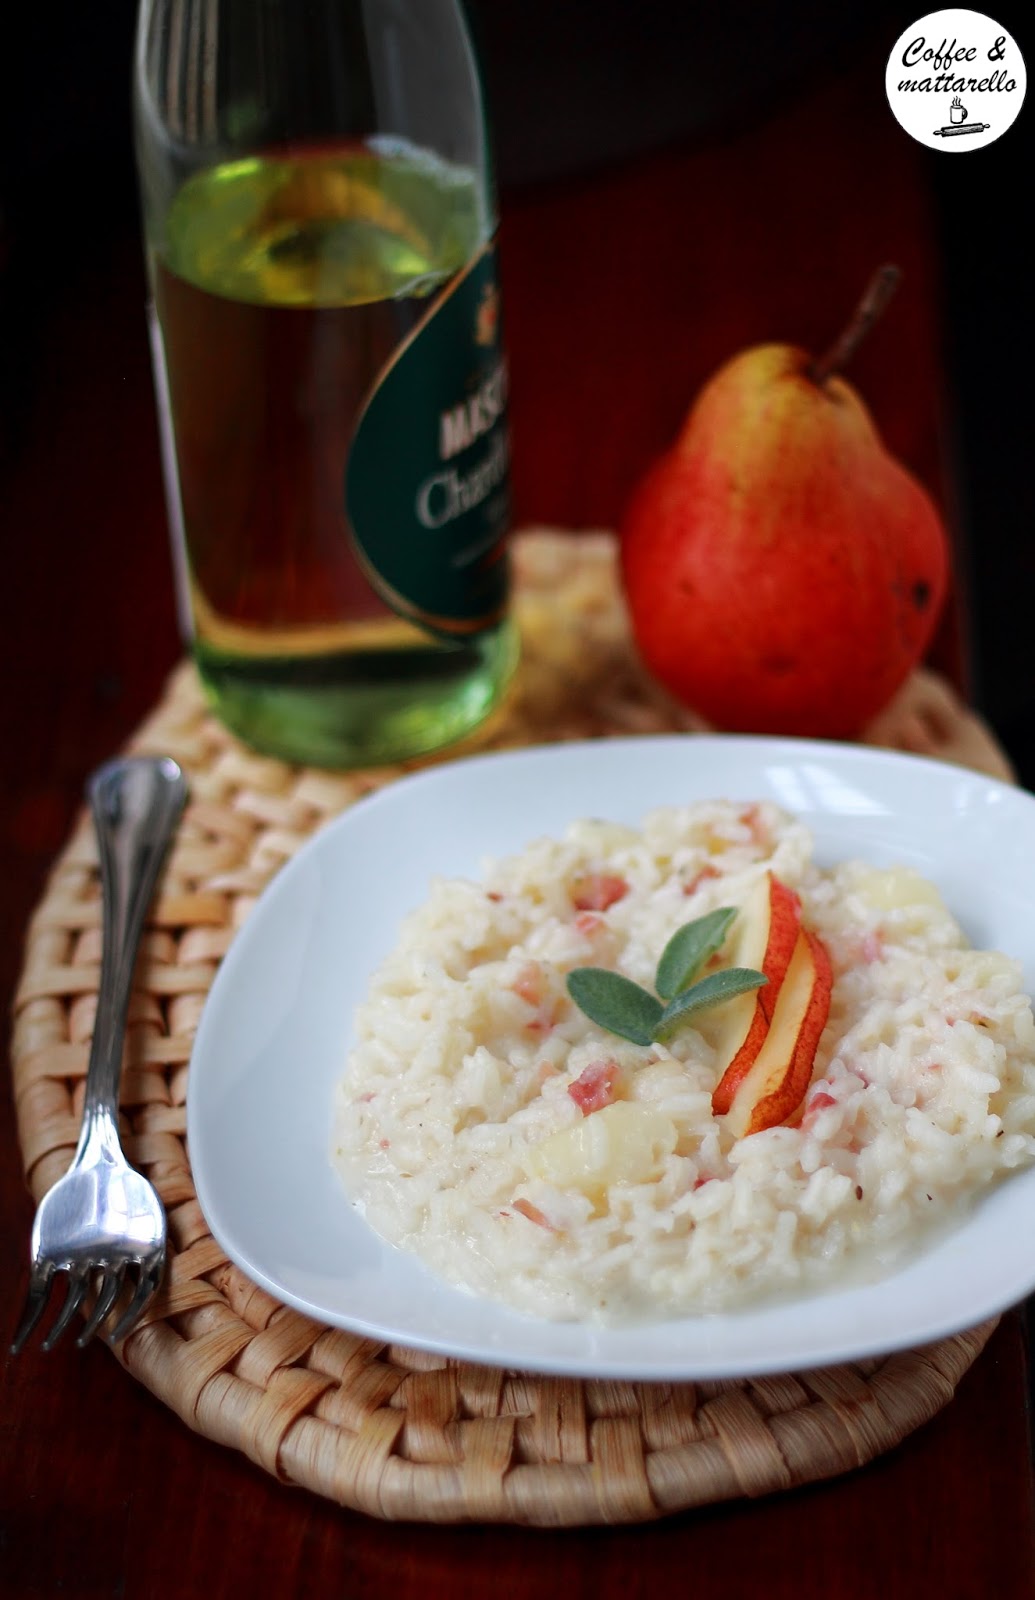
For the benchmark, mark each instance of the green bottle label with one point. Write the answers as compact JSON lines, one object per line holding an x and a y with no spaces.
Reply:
{"x":427,"y":484}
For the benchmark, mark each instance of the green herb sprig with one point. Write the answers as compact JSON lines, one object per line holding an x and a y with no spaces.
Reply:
{"x":632,"y":1012}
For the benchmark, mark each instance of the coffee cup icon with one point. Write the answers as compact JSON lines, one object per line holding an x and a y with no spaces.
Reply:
{"x":957,"y":111}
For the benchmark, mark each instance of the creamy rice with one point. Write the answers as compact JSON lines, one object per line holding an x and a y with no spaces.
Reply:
{"x":923,"y":1091}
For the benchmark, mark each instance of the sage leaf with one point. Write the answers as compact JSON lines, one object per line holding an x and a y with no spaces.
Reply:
{"x":689,"y":949}
{"x":711,"y":991}
{"x":616,"y":1003}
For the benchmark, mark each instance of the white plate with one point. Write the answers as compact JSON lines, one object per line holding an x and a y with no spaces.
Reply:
{"x":277,"y":1027}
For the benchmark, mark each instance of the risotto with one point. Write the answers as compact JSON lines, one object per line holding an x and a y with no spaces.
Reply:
{"x":529,"y":1155}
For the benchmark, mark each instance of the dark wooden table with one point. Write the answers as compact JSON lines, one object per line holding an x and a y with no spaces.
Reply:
{"x":102,"y":1491}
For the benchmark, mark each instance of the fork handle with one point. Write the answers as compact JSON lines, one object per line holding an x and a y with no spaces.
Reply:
{"x":136,"y":803}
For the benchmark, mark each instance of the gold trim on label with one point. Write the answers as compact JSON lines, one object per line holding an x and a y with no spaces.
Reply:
{"x":440,"y":299}
{"x":460,"y":626}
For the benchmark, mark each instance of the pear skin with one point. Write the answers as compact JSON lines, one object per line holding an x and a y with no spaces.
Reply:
{"x":776,"y":1083}
{"x":765,"y":935}
{"x":784,"y":573}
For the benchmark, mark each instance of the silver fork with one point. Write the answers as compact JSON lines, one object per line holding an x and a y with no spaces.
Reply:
{"x":103,"y":1217}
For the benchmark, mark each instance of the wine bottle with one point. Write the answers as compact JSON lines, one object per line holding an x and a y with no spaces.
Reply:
{"x":320,"y":222}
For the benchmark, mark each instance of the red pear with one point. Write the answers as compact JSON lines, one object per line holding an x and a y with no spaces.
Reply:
{"x":783,"y":572}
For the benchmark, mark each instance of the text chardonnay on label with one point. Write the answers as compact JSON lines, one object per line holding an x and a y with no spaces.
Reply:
{"x":331,"y":377}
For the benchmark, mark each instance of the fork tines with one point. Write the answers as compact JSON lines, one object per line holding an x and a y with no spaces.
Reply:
{"x":41,"y":1277}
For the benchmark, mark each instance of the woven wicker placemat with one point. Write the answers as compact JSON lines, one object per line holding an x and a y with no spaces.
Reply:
{"x":393,"y":1432}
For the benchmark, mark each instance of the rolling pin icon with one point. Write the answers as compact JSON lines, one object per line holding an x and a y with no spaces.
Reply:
{"x":958,"y":122}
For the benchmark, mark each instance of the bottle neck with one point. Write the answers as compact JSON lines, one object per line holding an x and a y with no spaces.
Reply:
{"x":231,"y":80}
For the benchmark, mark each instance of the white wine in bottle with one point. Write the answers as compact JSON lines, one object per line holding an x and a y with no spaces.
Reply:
{"x":320,"y":224}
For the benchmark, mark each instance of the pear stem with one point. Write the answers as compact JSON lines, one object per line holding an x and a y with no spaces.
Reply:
{"x":871,"y":307}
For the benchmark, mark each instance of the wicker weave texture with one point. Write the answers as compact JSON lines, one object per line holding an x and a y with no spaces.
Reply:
{"x":389,"y":1431}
